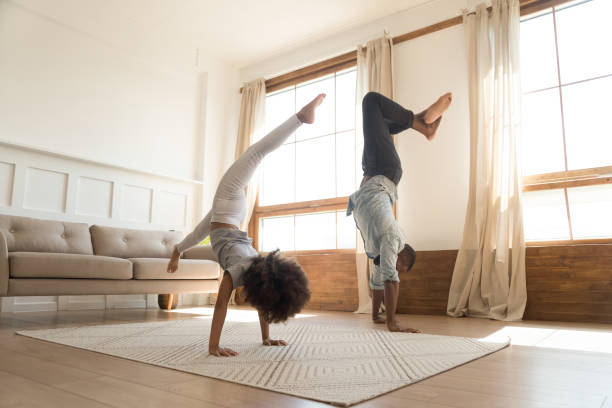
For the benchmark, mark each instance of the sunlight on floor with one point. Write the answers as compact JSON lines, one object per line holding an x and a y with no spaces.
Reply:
{"x":233,"y":315}
{"x":565,"y":339}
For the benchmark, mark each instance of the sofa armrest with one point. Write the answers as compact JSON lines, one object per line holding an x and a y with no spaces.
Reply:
{"x":200,"y":252}
{"x":4,"y":266}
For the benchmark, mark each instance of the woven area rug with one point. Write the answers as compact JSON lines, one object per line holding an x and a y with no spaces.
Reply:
{"x":333,"y":364}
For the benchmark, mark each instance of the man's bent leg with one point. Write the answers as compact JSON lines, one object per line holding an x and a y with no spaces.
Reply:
{"x":395,"y":117}
{"x":381,"y":118}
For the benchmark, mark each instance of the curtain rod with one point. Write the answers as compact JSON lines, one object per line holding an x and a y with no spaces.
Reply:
{"x":349,"y":59}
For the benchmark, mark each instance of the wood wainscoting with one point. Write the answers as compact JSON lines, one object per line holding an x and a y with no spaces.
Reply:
{"x":333,"y":280}
{"x":564,"y":283}
{"x":424,"y":290}
{"x":569,"y":283}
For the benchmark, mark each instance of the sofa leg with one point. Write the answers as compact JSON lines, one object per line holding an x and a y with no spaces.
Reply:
{"x":167,"y":301}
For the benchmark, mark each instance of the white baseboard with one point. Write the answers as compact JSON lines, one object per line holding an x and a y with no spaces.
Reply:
{"x":37,"y":304}
{"x":91,"y":302}
{"x":126,"y":301}
{"x":94,"y":302}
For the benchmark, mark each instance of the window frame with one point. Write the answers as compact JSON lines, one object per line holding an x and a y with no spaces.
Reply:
{"x":562,"y":180}
{"x":297,"y":208}
{"x":341,"y":63}
{"x":545,"y":181}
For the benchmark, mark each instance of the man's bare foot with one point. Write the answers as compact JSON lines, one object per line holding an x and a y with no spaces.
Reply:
{"x":428,"y":130}
{"x":307,"y":113}
{"x":174,"y":261}
{"x":438,"y":108}
{"x":379,"y":320}
{"x":395,"y":328}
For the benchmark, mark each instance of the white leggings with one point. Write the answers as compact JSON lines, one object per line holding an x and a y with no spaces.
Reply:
{"x":229,"y":204}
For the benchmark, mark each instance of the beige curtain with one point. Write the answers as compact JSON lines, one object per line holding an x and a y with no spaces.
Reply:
{"x":250,"y":129}
{"x":374,"y":73}
{"x":489,"y":276}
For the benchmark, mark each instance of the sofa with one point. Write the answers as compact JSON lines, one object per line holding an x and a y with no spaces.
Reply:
{"x":45,"y":258}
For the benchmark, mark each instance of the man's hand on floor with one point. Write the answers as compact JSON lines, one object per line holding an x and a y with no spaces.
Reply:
{"x":396,"y":328}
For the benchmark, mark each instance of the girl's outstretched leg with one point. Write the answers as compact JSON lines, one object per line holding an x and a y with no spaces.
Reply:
{"x":230,"y":189}
{"x":240,"y":173}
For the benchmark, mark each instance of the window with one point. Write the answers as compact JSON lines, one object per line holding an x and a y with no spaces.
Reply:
{"x":566,"y":72}
{"x":307,"y":181}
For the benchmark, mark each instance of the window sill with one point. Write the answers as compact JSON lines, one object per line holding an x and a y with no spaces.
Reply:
{"x":566,"y":242}
{"x":317,"y":252}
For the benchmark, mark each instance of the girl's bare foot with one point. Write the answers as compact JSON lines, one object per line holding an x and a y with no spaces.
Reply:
{"x":428,"y":130}
{"x":307,"y":113}
{"x":438,"y":108}
{"x":174,"y":261}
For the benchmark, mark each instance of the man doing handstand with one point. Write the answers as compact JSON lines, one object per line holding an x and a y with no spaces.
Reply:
{"x":372,"y":204}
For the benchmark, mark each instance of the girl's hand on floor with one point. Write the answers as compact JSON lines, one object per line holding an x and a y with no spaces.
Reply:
{"x":270,"y":342}
{"x":221,"y":352}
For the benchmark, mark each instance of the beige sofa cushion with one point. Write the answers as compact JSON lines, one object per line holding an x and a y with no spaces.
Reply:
{"x":129,"y":243}
{"x":74,"y":266}
{"x":155,"y":268}
{"x":200,"y":252}
{"x":33,"y":235}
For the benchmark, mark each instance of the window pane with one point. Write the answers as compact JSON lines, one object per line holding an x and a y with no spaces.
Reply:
{"x":279,"y":107}
{"x":276,"y":232}
{"x":345,"y":163}
{"x":590,"y":210}
{"x":583,"y":33}
{"x":347,"y":233}
{"x":315,"y":231}
{"x":545,"y":215}
{"x":315,"y":169}
{"x":346,"y":85}
{"x":542,"y":135}
{"x":278,"y":185}
{"x":588,"y":132}
{"x":538,"y":54}
{"x":324,"y":123}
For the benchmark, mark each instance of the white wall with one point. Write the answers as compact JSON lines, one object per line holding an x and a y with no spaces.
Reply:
{"x":433,"y":191}
{"x":62,"y":89}
{"x":91,"y":133}
{"x":222,"y":108}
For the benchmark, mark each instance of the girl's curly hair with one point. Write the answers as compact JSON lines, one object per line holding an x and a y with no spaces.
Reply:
{"x":276,"y":286}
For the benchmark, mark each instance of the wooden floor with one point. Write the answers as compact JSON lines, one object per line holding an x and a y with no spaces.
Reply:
{"x":548,"y":365}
